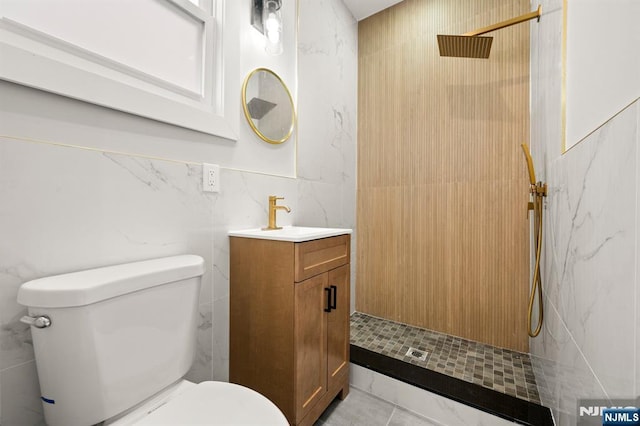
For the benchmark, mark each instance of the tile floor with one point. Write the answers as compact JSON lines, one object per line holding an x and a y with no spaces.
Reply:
{"x":362,"y":409}
{"x":499,"y":369}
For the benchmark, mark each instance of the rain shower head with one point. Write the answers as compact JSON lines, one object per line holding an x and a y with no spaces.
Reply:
{"x":469,"y":45}
{"x":463,"y":46}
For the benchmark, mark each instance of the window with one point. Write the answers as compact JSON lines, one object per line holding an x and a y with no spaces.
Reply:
{"x":159,"y":59}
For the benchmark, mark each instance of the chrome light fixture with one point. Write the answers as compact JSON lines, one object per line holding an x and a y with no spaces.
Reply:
{"x":267,"y":19}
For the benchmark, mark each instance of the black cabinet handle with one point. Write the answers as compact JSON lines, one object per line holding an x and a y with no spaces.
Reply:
{"x":328,"y":308}
{"x":334,"y":305}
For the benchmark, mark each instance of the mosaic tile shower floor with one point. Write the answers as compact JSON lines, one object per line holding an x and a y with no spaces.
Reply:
{"x":499,"y":369}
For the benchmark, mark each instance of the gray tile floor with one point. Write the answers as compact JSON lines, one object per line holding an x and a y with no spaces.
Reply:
{"x":361,"y":408}
{"x":499,"y":369}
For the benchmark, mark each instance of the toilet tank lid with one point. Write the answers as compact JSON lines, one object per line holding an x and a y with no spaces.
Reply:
{"x":94,"y":285}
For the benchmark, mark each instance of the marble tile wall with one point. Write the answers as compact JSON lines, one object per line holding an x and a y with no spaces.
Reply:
{"x":67,"y":208}
{"x":589,"y":343}
{"x":327,"y":122}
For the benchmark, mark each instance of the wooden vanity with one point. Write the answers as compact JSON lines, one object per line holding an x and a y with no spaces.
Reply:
{"x":289,"y":321}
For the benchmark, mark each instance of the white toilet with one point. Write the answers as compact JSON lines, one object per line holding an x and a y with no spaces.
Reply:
{"x":112,"y":345}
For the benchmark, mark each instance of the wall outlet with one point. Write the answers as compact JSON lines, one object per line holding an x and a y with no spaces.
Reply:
{"x":210,"y":177}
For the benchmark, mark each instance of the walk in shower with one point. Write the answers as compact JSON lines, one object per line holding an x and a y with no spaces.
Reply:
{"x":443,"y":232}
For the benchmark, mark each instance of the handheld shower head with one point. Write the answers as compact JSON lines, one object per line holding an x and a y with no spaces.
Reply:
{"x":532,"y":172}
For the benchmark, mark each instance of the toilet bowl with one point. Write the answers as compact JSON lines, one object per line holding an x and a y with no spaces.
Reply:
{"x":206,"y":403}
{"x":113,"y":344}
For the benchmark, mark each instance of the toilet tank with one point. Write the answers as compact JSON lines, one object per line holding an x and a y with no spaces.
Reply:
{"x":118,"y":335}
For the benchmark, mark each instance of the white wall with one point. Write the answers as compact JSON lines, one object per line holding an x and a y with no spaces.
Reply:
{"x":591,"y":335}
{"x":78,"y":124}
{"x":64,"y":208}
{"x":602,"y":64}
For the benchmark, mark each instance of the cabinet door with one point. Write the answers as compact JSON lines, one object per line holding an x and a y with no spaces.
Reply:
{"x":338,"y":323}
{"x":310,"y":343}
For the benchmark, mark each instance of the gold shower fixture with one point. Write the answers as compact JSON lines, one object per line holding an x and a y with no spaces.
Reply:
{"x":469,"y":45}
{"x":538,"y":190}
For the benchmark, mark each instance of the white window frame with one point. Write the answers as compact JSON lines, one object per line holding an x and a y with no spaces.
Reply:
{"x":35,"y":59}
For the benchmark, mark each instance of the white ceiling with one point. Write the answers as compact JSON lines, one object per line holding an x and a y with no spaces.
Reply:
{"x":364,"y":8}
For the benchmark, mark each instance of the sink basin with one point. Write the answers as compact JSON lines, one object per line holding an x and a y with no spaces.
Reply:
{"x":295,"y":234}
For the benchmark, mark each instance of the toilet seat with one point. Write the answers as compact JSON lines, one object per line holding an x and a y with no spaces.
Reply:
{"x":216,"y":403}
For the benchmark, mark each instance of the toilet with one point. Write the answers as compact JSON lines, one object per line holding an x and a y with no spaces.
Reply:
{"x":113,"y":344}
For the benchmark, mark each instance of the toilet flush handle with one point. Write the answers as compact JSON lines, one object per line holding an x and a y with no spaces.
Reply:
{"x":41,"y":321}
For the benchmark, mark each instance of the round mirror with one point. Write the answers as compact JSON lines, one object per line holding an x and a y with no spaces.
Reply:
{"x":268,"y":105}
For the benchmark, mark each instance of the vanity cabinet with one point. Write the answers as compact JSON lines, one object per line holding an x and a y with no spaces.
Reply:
{"x":289,"y":322}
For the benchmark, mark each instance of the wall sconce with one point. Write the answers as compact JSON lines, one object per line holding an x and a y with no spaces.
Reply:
{"x":266,"y":18}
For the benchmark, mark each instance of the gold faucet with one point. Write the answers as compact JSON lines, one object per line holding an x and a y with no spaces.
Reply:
{"x":272,"y":211}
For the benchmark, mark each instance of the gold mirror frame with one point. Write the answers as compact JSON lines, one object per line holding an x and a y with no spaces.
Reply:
{"x":247,"y":113}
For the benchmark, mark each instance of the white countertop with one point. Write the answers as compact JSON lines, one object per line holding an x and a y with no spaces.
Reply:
{"x":295,"y":234}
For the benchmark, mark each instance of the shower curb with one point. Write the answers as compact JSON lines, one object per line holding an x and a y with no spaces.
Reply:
{"x":495,"y":403}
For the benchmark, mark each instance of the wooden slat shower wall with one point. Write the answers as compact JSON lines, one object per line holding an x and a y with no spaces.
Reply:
{"x":442,"y":225}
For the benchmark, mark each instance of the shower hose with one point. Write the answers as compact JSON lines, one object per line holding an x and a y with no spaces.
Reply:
{"x":536,"y":284}
{"x":538,"y":191}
